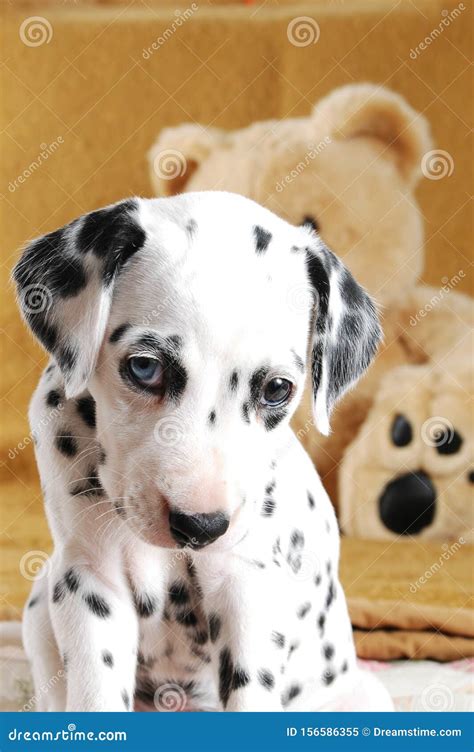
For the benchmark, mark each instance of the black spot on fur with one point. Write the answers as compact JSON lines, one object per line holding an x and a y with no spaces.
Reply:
{"x":118,"y":333}
{"x":328,"y":677}
{"x":328,"y":651}
{"x":226,"y":672}
{"x":310,"y":222}
{"x":187,"y":618}
{"x":331,"y":594}
{"x":108,"y":658}
{"x":303,"y":610}
{"x":212,"y":417}
{"x":86,"y":409}
{"x":290,"y":693}
{"x":344,"y":667}
{"x":66,"y":443}
{"x":246,"y":412}
{"x":299,"y":362}
{"x":266,"y":678}
{"x":215,"y":625}
{"x":262,"y":239}
{"x":200,"y":637}
{"x":269,"y":506}
{"x":272,"y":418}
{"x":317,"y":580}
{"x":33,"y":601}
{"x":71,"y":580}
{"x":191,"y":227}
{"x":240,"y":678}
{"x":126,"y":699}
{"x":53,"y":398}
{"x":234,"y":381}
{"x":256,"y":382}
{"x":311,"y":501}
{"x":297,"y":539}
{"x":145,"y":605}
{"x":279,"y":639}
{"x":102,"y":456}
{"x":179,"y":593}
{"x":97,"y":605}
{"x":59,"y":592}
{"x":321,"y":624}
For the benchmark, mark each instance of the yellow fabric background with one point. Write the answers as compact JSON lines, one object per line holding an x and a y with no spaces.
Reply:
{"x":227,"y":66}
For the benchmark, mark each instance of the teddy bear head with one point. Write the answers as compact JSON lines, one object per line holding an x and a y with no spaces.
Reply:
{"x":348,"y":169}
{"x":410,"y":470}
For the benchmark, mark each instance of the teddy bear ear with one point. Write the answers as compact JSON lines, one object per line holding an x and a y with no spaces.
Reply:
{"x":177,"y":153}
{"x":370,"y":110}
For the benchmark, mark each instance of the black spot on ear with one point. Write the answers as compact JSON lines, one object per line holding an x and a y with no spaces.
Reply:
{"x":200,"y":637}
{"x":118,"y":333}
{"x":214,"y":627}
{"x":97,"y":605}
{"x":108,"y":658}
{"x":53,"y":398}
{"x":113,"y":235}
{"x":449,"y":443}
{"x":212,"y":417}
{"x":240,"y":678}
{"x":71,"y":579}
{"x":401,"y":431}
{"x":187,"y":619}
{"x":246,"y":412}
{"x":310,"y":222}
{"x":290,"y":693}
{"x":179,"y":593}
{"x":66,"y":277}
{"x":311,"y":501}
{"x":262,"y":239}
{"x":266,"y":678}
{"x":66,"y":443}
{"x":86,"y":409}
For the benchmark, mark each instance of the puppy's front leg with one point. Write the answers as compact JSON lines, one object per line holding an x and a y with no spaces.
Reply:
{"x":247,"y":657}
{"x":96,"y":629}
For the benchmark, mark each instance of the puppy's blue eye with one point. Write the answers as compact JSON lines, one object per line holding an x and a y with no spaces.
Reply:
{"x":146,"y":371}
{"x":276,"y":392}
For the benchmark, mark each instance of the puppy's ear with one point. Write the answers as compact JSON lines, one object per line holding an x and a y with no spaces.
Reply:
{"x":345,"y":333}
{"x":65,"y":281}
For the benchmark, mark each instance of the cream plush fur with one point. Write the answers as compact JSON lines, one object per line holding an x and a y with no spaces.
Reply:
{"x":352,"y":165}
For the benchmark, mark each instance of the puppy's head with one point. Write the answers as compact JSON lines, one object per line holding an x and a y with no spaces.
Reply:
{"x":190,"y":320}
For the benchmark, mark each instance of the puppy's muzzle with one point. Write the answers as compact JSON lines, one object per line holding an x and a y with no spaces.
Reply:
{"x":197,"y":530}
{"x":407,"y":503}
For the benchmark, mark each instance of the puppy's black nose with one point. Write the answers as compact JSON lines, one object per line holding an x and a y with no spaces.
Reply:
{"x":197,"y":530}
{"x":407,"y":503}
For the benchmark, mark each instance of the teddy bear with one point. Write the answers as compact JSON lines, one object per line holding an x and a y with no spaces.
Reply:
{"x":349,"y":169}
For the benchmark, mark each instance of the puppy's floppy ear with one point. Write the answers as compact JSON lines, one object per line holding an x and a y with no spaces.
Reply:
{"x":345,"y":334}
{"x":65,"y":281}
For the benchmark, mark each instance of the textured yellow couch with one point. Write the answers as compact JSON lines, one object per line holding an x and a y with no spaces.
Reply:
{"x":92,"y":99}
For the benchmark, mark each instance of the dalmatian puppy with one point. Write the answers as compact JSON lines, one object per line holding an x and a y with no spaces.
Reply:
{"x":195,"y":562}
